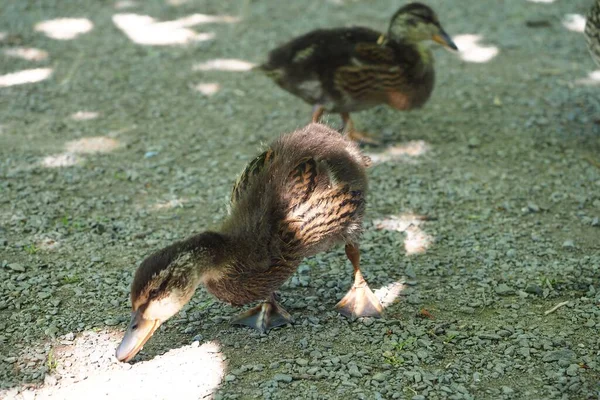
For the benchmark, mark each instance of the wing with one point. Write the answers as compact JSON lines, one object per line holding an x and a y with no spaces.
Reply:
{"x":374,"y":54}
{"x":369,"y":81}
{"x":301,"y":182}
{"x":252,"y":169}
{"x":322,"y":50}
{"x":321,"y":207}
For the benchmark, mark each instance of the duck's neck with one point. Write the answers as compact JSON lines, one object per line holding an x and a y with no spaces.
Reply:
{"x":203,"y":257}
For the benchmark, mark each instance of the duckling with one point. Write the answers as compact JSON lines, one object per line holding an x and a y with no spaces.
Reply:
{"x":343,"y":70}
{"x":300,"y":197}
{"x":592,"y":31}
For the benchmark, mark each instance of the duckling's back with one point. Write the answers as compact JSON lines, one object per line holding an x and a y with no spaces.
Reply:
{"x":301,"y":196}
{"x":324,"y":194}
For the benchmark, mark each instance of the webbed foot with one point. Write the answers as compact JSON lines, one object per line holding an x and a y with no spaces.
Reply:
{"x":360,"y":301}
{"x":362,"y":137}
{"x":264,"y":317}
{"x":352,"y":134}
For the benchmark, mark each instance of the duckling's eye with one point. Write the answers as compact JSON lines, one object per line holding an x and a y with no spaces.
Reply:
{"x":153,"y":294}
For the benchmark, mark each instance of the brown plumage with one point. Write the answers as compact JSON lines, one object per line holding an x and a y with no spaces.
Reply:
{"x":301,"y":196}
{"x":343,"y":70}
{"x":592,"y":31}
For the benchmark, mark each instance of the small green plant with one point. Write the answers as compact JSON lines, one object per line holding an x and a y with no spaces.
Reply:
{"x":120,"y":176}
{"x":400,"y":346}
{"x":393,"y":357}
{"x":395,"y":360}
{"x":51,"y":361}
{"x":450,"y":336}
{"x":65,"y":220}
{"x":31,"y":249}
{"x":71,"y":279}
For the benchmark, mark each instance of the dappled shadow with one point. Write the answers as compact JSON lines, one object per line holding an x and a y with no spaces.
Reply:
{"x":167,"y":205}
{"x":91,"y":145}
{"x":84,"y":115}
{"x":593,"y":79}
{"x":388,"y":294}
{"x":86,"y":364}
{"x":145,"y":30}
{"x":417,"y":241}
{"x":25,"y":76}
{"x":61,"y":160}
{"x":471,"y":51}
{"x":574,"y":22}
{"x":207,"y":89}
{"x":64,"y":28}
{"x":403,"y":152}
{"x":88,"y":145}
{"x":224,"y":64}
{"x":26,"y":53}
{"x":125,"y":4}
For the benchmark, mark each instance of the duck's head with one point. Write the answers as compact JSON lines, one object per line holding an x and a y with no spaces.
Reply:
{"x":161,"y":287}
{"x":416,"y":22}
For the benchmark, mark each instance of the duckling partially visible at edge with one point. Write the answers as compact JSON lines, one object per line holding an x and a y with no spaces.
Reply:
{"x":343,"y":70}
{"x":592,"y":31}
{"x":300,"y":197}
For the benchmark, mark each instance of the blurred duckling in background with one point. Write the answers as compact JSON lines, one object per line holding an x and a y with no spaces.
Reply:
{"x":592,"y":31}
{"x":343,"y":70}
{"x":303,"y":195}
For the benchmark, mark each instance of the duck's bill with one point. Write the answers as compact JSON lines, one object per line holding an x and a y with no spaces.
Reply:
{"x":138,"y":333}
{"x":445,"y":40}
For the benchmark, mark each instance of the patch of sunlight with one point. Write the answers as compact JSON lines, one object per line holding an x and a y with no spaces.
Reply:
{"x":224,"y":64}
{"x":145,"y":30}
{"x":26,"y":53}
{"x":177,"y":2}
{"x":25,"y":76}
{"x":84,"y":115}
{"x":574,"y":22}
{"x":61,"y":160}
{"x":124,"y":4}
{"x":593,"y":79}
{"x":86,"y":367}
{"x":3,"y":35}
{"x":416,"y":240}
{"x":47,"y":244}
{"x":92,"y":145}
{"x":401,"y":152}
{"x":472,"y":51}
{"x":207,"y":89}
{"x":388,"y":294}
{"x":166,"y":205}
{"x":64,"y":28}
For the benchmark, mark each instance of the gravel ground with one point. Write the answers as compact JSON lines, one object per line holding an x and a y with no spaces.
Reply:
{"x":482,"y":232}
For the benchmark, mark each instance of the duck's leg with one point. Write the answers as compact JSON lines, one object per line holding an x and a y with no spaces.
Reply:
{"x":360,"y":300}
{"x":264,"y":316}
{"x":348,"y":129}
{"x":318,"y":111}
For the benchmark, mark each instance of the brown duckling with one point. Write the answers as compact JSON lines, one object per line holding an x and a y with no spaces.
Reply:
{"x":300,"y":197}
{"x":592,"y":31}
{"x":343,"y":70}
